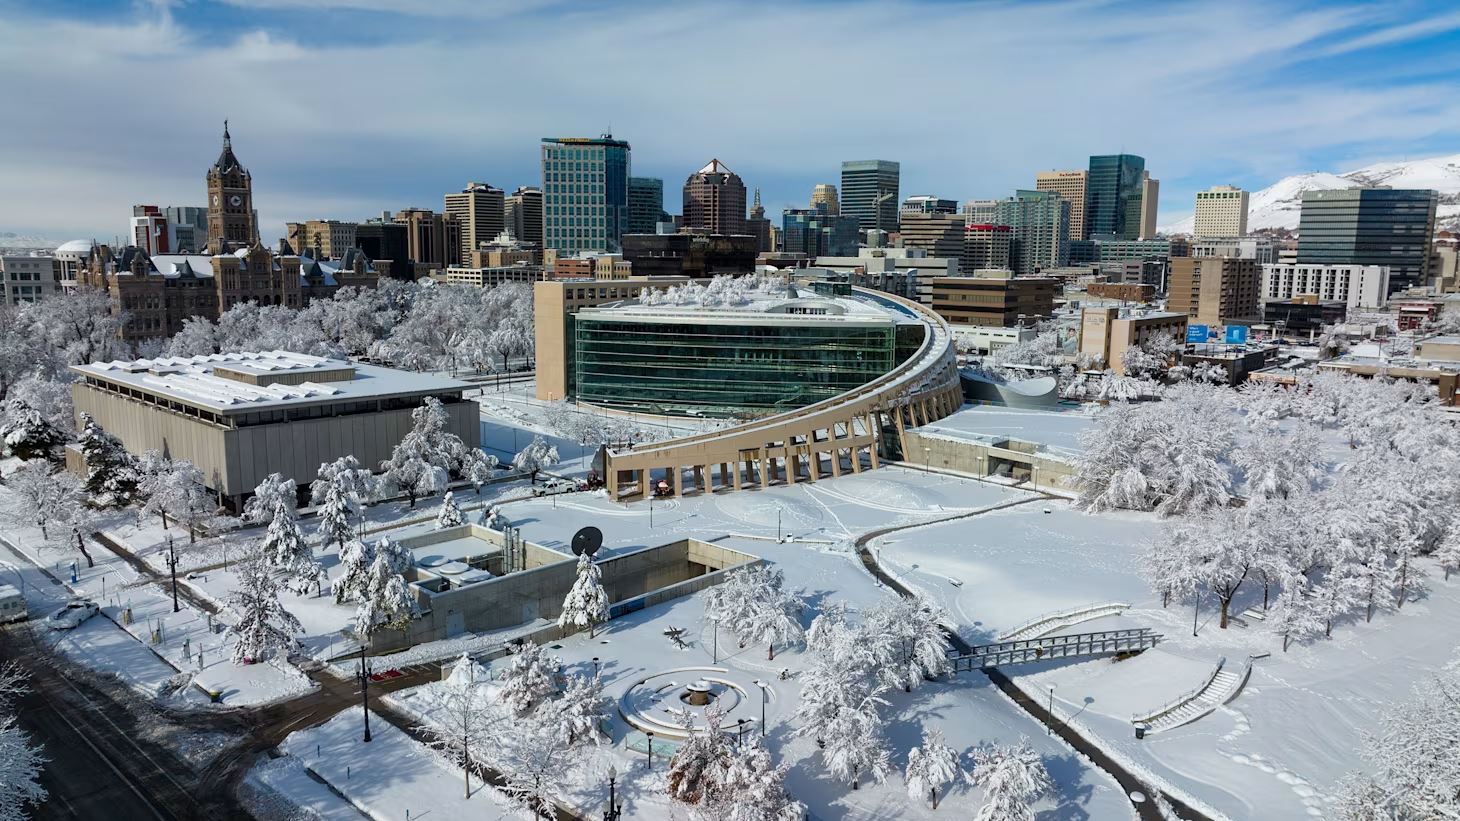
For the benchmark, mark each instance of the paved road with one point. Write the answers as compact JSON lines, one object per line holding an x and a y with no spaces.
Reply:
{"x":1146,"y":810}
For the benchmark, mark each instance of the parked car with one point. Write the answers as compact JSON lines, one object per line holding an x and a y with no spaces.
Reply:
{"x":552,"y":486}
{"x":12,"y":605}
{"x":72,"y":615}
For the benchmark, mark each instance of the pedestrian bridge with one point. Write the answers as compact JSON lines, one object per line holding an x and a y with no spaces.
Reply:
{"x":844,"y":434}
{"x":1024,"y":651}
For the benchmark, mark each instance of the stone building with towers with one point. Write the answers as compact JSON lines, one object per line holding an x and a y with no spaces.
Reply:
{"x":158,"y":292}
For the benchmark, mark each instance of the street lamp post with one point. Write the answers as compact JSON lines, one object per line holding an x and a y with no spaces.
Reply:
{"x":740,"y":726}
{"x":365,"y":692}
{"x":778,"y":524}
{"x":595,"y":666}
{"x":172,"y":565}
{"x":1050,"y":726}
{"x":762,"y":686}
{"x":715,"y":634}
{"x":650,"y":747}
{"x":927,"y":460}
{"x":614,"y":811}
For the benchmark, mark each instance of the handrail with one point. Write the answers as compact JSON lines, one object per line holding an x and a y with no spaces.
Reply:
{"x":1189,"y":695}
{"x":1056,"y":615}
{"x":913,"y":366}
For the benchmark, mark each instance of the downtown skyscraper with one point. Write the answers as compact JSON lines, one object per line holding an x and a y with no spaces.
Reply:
{"x":585,"y":189}
{"x":870,"y":193}
{"x":1113,"y":196}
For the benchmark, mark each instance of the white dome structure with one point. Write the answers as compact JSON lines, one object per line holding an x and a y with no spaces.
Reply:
{"x":76,"y":247}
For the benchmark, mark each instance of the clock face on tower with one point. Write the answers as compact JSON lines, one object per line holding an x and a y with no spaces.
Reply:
{"x":215,"y":199}
{"x":235,"y":200}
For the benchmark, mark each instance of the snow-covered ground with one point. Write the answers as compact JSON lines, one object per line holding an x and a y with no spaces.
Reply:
{"x":1275,"y":750}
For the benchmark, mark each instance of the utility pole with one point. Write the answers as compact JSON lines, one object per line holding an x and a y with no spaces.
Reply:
{"x":172,"y":565}
{"x":365,"y":692}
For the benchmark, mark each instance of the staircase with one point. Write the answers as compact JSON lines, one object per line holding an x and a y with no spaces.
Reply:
{"x":1220,"y":687}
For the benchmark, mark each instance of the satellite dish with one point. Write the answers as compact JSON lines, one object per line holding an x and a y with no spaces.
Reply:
{"x":587,"y":541}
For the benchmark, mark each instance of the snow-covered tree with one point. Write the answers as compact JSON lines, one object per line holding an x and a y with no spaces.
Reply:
{"x":263,"y":624}
{"x":1279,"y":462}
{"x":47,"y":498}
{"x":586,"y":604}
{"x":535,"y":764}
{"x":1447,"y":555}
{"x":1415,"y":755}
{"x":465,"y":717}
{"x":537,"y":456}
{"x":930,"y":767}
{"x":532,"y":677}
{"x":910,"y":643}
{"x":174,"y":487}
{"x":341,"y":491}
{"x":111,"y":472}
{"x":1215,"y":551}
{"x":356,"y":558}
{"x":21,"y":762}
{"x":396,"y":554}
{"x":752,"y":603}
{"x":387,"y":603}
{"x":428,"y":454}
{"x":696,"y":772}
{"x":82,"y":326}
{"x":30,"y":434}
{"x":1012,"y":778}
{"x":579,"y":714}
{"x":450,"y":513}
{"x":751,"y":789}
{"x":854,"y":742}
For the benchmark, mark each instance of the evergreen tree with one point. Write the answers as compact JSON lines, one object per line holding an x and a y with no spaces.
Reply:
{"x":30,"y":434}
{"x":586,"y":604}
{"x":263,"y":623}
{"x":111,"y":472}
{"x":450,"y":513}
{"x":532,"y":677}
{"x":930,"y":767}
{"x":387,"y":603}
{"x":1012,"y":777}
{"x":356,"y":557}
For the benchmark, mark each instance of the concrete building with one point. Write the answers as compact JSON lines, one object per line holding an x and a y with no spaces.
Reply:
{"x":825,"y":194}
{"x":1123,"y":291}
{"x":1037,"y":446}
{"x":1221,"y":211}
{"x":994,"y":298}
{"x":505,"y":250}
{"x":759,"y":226}
{"x":927,"y":204}
{"x":646,"y":204}
{"x":522,"y":214}
{"x":25,"y":279}
{"x":491,"y":276}
{"x":73,"y":258}
{"x":323,"y":239}
{"x":986,"y":246}
{"x":150,"y":231}
{"x":869,"y":193}
{"x":432,"y":240}
{"x":1214,"y":290}
{"x":1370,"y":226}
{"x":1356,"y":286}
{"x":1040,"y":224}
{"x":1150,"y":202}
{"x":1303,"y":315}
{"x":240,"y":417}
{"x":1106,"y":332}
{"x":189,"y":227}
{"x":1113,"y":195}
{"x":1261,"y":250}
{"x":816,"y":233}
{"x":1071,"y":186}
{"x":714,"y":200}
{"x":904,"y":272}
{"x":940,"y":233}
{"x":479,"y":211}
{"x":585,"y":185}
{"x":981,"y":211}
{"x":695,"y":256}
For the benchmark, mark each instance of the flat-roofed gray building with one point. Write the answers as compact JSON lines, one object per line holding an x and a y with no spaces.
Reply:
{"x":242,"y":416}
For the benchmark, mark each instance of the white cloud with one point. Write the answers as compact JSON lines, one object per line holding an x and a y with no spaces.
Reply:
{"x":972,"y":99}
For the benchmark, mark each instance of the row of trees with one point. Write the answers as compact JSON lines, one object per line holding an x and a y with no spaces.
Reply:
{"x":20,"y":757}
{"x":1012,"y":776}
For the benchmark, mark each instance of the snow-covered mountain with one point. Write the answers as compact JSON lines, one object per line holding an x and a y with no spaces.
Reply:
{"x":10,"y":239}
{"x":1279,"y":204}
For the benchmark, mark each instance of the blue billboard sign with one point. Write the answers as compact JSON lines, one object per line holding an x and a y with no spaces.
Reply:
{"x":1197,"y":333}
{"x":1236,"y":335}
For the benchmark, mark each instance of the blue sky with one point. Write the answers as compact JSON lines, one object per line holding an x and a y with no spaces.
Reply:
{"x":345,"y":108}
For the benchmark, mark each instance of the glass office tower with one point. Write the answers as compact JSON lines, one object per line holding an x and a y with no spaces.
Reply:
{"x":1113,"y":196}
{"x":585,"y":193}
{"x":1370,"y":226}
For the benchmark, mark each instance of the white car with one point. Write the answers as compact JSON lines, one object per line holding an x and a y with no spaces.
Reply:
{"x":71,"y":616}
{"x":553,"y":486}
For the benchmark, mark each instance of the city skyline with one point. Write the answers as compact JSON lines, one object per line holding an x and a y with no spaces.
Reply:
{"x":1310,"y":87}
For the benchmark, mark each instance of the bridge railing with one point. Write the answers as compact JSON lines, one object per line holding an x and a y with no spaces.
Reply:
{"x":1152,"y":715}
{"x":1024,"y":651}
{"x":1103,"y":608}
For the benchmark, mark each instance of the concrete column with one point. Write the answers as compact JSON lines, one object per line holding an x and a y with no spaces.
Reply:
{"x":857,"y":459}
{"x":612,"y":484}
{"x":735,"y":475}
{"x":766,"y":462}
{"x":836,"y":463}
{"x":872,"y":451}
{"x":676,"y":475}
{"x":791,"y":459}
{"x":644,"y":483}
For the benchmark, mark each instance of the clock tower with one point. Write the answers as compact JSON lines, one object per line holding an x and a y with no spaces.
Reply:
{"x":230,"y":203}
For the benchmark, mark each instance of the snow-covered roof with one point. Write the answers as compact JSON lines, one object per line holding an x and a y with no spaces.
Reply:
{"x":176,"y":265}
{"x":1055,"y":431}
{"x":192,"y":379}
{"x":75,"y":246}
{"x":805,"y":308}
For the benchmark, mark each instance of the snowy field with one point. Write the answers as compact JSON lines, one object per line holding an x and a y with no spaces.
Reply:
{"x":1275,"y":750}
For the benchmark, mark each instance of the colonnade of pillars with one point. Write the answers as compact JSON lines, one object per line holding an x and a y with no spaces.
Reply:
{"x":848,"y":446}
